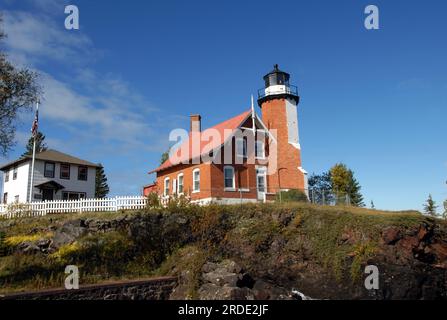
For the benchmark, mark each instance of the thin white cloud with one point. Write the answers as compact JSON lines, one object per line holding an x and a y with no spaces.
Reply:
{"x":99,"y":116}
{"x":33,"y":37}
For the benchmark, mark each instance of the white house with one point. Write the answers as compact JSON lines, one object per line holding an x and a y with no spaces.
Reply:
{"x":57,"y":176}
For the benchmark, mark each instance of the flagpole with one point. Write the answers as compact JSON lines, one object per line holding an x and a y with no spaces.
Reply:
{"x":253,"y":114}
{"x":32,"y":161}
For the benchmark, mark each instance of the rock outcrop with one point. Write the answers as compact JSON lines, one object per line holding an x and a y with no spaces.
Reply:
{"x":262,"y":252}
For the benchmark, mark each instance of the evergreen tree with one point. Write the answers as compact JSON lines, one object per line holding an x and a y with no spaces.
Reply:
{"x":430,"y":206}
{"x":164,"y":157}
{"x":372,"y":205}
{"x":320,"y":188}
{"x":101,"y":186}
{"x":345,"y":185}
{"x":40,"y":145}
{"x":320,"y":181}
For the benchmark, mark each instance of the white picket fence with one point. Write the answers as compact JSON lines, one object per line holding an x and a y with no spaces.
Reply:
{"x":71,"y":206}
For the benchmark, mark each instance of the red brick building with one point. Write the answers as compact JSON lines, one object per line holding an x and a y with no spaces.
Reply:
{"x":246,"y":158}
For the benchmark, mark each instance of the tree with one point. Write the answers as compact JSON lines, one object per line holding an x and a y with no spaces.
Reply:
{"x":430,"y":206}
{"x":164,"y":157}
{"x":40,"y":145}
{"x":345,"y":185}
{"x":18,"y":91}
{"x":372,"y":205}
{"x":320,"y":188}
{"x":101,"y":186}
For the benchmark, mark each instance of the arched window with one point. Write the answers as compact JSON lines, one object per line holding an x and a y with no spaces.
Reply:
{"x":229,"y":182}
{"x":196,"y":180}
{"x":166,"y":190}
{"x":180,"y":183}
{"x":174,"y":186}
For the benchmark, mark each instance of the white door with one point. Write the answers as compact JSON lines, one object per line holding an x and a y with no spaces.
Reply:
{"x":261,"y":183}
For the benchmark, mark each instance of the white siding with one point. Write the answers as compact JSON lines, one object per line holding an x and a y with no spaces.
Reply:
{"x":292,"y":123}
{"x":19,"y":186}
{"x":73,"y":184}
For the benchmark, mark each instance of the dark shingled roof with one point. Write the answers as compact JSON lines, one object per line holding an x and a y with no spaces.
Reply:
{"x":51,"y":155}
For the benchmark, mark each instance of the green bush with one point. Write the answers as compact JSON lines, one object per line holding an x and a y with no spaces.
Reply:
{"x":292,"y":196}
{"x":3,"y":245}
{"x":153,"y":200}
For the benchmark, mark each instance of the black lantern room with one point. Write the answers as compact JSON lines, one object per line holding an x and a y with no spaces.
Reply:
{"x":277,"y":86}
{"x":276,"y":77}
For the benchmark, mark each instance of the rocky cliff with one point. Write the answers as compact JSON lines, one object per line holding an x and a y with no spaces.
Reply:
{"x":236,"y":252}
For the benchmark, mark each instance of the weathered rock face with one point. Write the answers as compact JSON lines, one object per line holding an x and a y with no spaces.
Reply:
{"x":228,"y":281}
{"x":260,"y":255}
{"x":411,"y":262}
{"x":69,"y":232}
{"x":223,"y":282}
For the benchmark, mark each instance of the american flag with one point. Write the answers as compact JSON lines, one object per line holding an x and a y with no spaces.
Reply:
{"x":35,"y":126}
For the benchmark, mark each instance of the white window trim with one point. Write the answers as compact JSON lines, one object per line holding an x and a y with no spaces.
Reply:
{"x":263,"y":170}
{"x":262,"y":157}
{"x":164,"y":187}
{"x":233,"y":188}
{"x":174,"y":186}
{"x":244,"y":143}
{"x":194,"y":180}
{"x":178,"y":184}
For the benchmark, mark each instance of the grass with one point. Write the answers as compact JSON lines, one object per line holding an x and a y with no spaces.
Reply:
{"x":14,"y":241}
{"x":211,"y":233}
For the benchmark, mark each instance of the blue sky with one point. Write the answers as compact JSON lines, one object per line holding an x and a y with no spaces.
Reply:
{"x":375,"y":100}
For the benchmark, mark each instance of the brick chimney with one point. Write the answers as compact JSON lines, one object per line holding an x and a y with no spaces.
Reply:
{"x":195,"y":123}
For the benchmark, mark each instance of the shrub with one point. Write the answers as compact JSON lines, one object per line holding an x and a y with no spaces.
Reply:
{"x":153,"y":200}
{"x":177,"y":202}
{"x":292,"y":196}
{"x":3,"y":246}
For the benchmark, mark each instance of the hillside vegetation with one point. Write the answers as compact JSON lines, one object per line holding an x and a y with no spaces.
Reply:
{"x":317,"y":249}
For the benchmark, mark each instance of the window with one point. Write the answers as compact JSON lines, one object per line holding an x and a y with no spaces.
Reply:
{"x":5,"y":197}
{"x":82,"y":173}
{"x":49,"y":170}
{"x":260,"y":149}
{"x":180,"y":183}
{"x":65,"y":171}
{"x":68,"y":195}
{"x":241,"y":147}
{"x":166,"y":191}
{"x":229,"y":177}
{"x":7,"y":176}
{"x":14,"y":173}
{"x":16,"y":199}
{"x":196,"y":180}
{"x":174,"y":186}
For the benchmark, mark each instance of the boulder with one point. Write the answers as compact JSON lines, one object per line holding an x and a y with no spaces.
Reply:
{"x":210,"y":291}
{"x":391,"y":235}
{"x":69,"y":232}
{"x":28,"y":247}
{"x":263,"y":290}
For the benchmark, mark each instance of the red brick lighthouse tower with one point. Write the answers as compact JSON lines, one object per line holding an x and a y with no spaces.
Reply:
{"x":279,"y":101}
